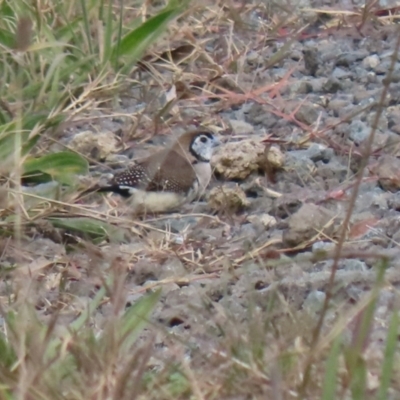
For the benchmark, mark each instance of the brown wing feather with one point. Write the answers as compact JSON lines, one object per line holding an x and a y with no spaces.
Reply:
{"x":155,"y":173}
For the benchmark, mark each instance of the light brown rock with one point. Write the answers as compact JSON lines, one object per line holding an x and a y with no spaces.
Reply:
{"x":224,"y":198}
{"x":97,"y":145}
{"x":306,"y":223}
{"x":237,"y":160}
{"x":388,"y":171}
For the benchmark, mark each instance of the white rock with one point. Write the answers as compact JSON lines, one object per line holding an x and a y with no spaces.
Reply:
{"x":241,"y":127}
{"x":268,"y":221}
{"x":371,"y":62}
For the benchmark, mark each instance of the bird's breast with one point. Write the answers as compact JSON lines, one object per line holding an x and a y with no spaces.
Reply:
{"x":203,"y":172}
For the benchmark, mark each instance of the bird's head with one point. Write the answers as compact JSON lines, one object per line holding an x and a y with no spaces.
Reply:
{"x":200,"y":144}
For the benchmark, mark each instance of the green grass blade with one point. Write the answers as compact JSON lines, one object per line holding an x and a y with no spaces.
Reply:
{"x":116,"y":49}
{"x":93,"y":305}
{"x":80,"y":69}
{"x":137,"y":41}
{"x":329,"y":386}
{"x":29,"y":123}
{"x":6,"y":10}
{"x":60,"y":166}
{"x":359,"y":380}
{"x":137,"y":317}
{"x":367,"y":315}
{"x":388,"y":360}
{"x":51,"y":78}
{"x":76,"y":325}
{"x":90,"y":227}
{"x":108,"y":34}
{"x":7,"y":353}
{"x":7,"y":39}
{"x":54,"y":96}
{"x":87,"y":25}
{"x":354,"y":353}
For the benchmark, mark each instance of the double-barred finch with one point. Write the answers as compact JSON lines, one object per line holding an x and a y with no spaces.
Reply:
{"x":170,"y":178}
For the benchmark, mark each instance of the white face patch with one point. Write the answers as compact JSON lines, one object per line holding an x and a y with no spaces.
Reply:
{"x":203,"y":146}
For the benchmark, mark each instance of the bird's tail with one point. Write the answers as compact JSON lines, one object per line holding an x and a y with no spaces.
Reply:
{"x":115,"y":189}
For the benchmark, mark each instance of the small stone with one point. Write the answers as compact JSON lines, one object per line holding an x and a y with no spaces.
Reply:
{"x":178,"y":239}
{"x":49,"y":190}
{"x":317,"y":152}
{"x":172,"y":268}
{"x":287,"y":205}
{"x":337,"y":105}
{"x":382,"y":123}
{"x":394,"y":203}
{"x":301,"y":87}
{"x":317,"y":85}
{"x":394,"y":78}
{"x":253,"y":188}
{"x":371,"y":62}
{"x":145,"y":271}
{"x":332,"y":85}
{"x":395,"y":129}
{"x":306,"y":223}
{"x":229,"y":199}
{"x":307,"y":113}
{"x":253,"y":57}
{"x":359,"y":131}
{"x":388,"y":171}
{"x":354,"y":265}
{"x":339,"y":73}
{"x":322,"y":246}
{"x":347,"y":59}
{"x":268,"y":221}
{"x":314,"y":301}
{"x":176,"y":225}
{"x":298,"y":164}
{"x":311,"y":60}
{"x":363,"y":96}
{"x":241,"y":127}
{"x":274,"y":158}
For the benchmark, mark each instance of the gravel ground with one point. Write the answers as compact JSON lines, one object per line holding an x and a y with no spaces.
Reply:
{"x":274,"y":210}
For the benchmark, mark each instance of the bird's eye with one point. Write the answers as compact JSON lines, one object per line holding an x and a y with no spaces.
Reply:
{"x":203,"y":140}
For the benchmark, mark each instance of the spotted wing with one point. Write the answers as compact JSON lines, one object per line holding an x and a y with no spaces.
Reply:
{"x":165,"y":171}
